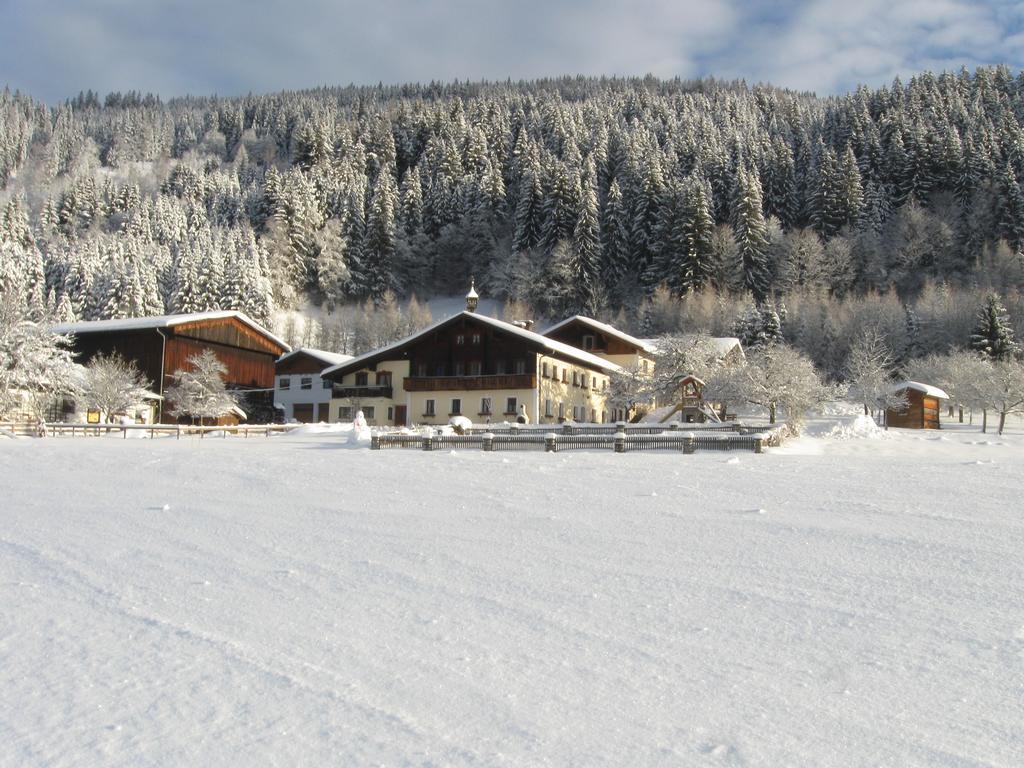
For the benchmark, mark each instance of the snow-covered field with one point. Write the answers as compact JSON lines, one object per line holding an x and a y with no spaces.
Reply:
{"x":841,"y":601}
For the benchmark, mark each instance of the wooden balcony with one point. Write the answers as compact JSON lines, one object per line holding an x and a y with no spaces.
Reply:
{"x":454,"y":383}
{"x":365,"y":391}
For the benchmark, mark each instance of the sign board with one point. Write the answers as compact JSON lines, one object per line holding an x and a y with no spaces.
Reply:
{"x":92,"y":416}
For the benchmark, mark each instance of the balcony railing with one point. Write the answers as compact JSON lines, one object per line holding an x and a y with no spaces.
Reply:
{"x":451,"y":383}
{"x":363,"y":391}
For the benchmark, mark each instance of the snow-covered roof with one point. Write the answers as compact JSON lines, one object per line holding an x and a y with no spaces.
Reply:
{"x":917,"y":386}
{"x":238,"y":412}
{"x":328,"y":358}
{"x":722,"y":345}
{"x":162,"y":321}
{"x":566,"y":350}
{"x":609,"y":330}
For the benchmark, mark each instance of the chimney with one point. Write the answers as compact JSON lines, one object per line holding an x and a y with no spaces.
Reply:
{"x":472,"y":297}
{"x":528,"y":325}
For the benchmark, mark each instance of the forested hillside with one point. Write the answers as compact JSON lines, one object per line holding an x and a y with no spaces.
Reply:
{"x":593,"y":195}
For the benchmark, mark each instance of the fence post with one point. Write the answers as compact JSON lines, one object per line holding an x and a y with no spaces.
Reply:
{"x":690,"y":443}
{"x":549,"y":442}
{"x":513,"y":429}
{"x":567,"y":429}
{"x":759,"y":445}
{"x":178,"y":432}
{"x":620,"y":442}
{"x":428,"y":443}
{"x":488,"y":442}
{"x":374,"y":442}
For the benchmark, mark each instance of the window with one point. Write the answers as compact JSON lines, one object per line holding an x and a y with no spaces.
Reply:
{"x":499,"y":367}
{"x":369,"y":412}
{"x":384,"y":378}
{"x":456,"y":407}
{"x":485,"y":406}
{"x":285,"y":383}
{"x":460,"y":369}
{"x":421,"y":369}
{"x":644,"y":366}
{"x":391,"y":413}
{"x":325,"y":383}
{"x":547,"y":408}
{"x":588,"y":341}
{"x":476,"y":338}
{"x":460,"y":340}
{"x":575,"y":378}
{"x":428,"y":408}
{"x":565,"y":375}
{"x":306,"y":382}
{"x":544,"y":370}
{"x":344,"y":413}
{"x":519,"y":366}
{"x":554,"y":372}
{"x":593,"y":382}
{"x":362,"y":379}
{"x":511,"y":406}
{"x":475,"y":368}
{"x":561,"y":411}
{"x":439,"y":369}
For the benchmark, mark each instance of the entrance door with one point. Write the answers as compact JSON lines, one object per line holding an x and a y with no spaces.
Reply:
{"x":399,"y":415}
{"x":323,"y":412}
{"x":303,"y":412}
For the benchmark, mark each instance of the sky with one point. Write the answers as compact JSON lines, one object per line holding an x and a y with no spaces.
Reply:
{"x":53,"y":49}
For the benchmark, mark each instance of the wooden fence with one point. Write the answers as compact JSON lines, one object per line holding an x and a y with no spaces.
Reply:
{"x":620,"y":442}
{"x":61,"y":429}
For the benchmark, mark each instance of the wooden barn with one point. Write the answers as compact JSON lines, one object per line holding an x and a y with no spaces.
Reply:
{"x":922,"y":411}
{"x":161,"y":345}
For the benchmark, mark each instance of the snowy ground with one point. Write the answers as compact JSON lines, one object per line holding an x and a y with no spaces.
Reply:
{"x":289,"y":601}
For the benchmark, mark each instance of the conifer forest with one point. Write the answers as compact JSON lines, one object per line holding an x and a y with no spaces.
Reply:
{"x":658,"y":205}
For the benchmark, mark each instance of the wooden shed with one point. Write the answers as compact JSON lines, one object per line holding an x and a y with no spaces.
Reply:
{"x":922,"y":411}
{"x":162,"y":344}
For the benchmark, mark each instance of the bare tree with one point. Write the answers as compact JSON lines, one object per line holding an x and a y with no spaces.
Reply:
{"x":113,"y":385}
{"x":869,"y":371}
{"x":1007,"y":389}
{"x":198,"y":391}
{"x":777,"y":378}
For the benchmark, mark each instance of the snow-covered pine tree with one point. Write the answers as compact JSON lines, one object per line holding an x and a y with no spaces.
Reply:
{"x":751,"y":233}
{"x":993,"y":334}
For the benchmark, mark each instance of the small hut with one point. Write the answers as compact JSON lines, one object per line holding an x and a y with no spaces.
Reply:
{"x":922,"y":409}
{"x":691,"y":399}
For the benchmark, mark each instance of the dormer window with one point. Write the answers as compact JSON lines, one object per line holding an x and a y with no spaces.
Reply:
{"x":588,"y":341}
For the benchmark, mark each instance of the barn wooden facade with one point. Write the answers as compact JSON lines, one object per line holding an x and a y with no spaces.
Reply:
{"x":159,"y":346}
{"x":923,"y":405}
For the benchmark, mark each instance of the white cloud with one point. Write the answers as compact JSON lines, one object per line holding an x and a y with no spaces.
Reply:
{"x":53,"y":48}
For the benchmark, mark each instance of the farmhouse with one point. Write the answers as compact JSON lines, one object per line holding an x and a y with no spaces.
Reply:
{"x":161,"y":345}
{"x":299,"y":391}
{"x":473,"y":366}
{"x":604,"y":341}
{"x":922,"y":411}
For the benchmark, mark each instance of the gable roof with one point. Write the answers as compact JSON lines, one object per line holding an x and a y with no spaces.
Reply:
{"x":597,"y":325}
{"x":722,"y":345}
{"x":163,"y":321}
{"x":327,"y":358}
{"x":549,"y":345}
{"x":917,"y":386}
